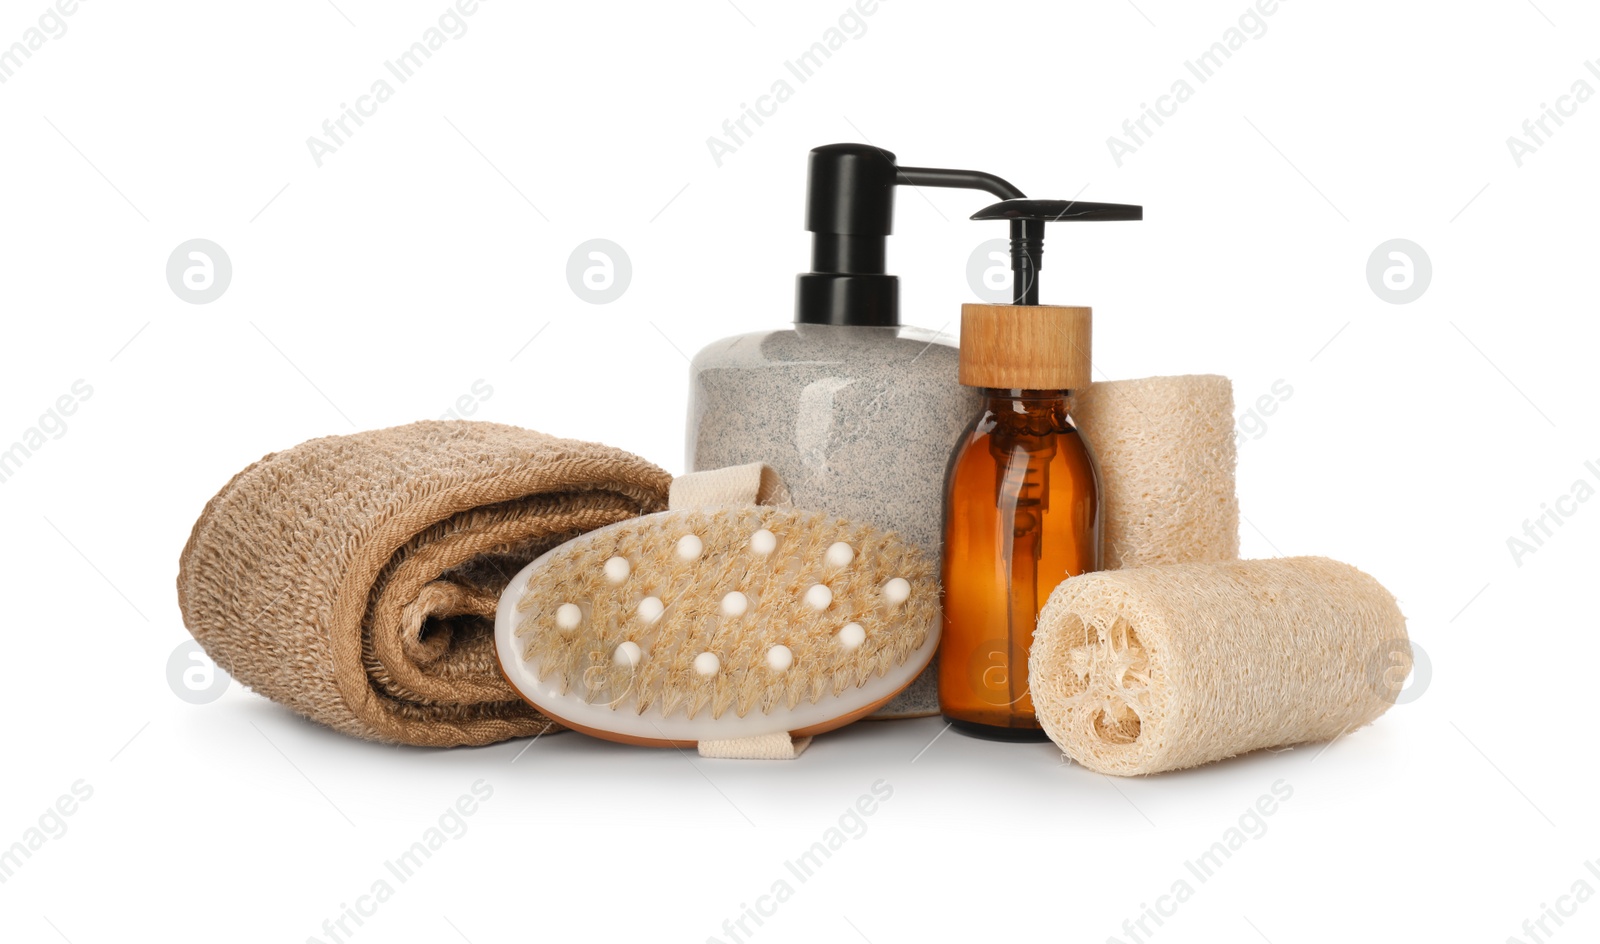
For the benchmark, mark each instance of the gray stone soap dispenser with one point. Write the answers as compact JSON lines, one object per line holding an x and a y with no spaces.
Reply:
{"x":856,"y":411}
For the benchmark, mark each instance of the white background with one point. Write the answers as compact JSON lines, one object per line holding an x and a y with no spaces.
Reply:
{"x":427,"y":250}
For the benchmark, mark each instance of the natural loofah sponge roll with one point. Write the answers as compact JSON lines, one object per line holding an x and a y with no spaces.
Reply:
{"x":1159,"y":668}
{"x":1166,"y":452}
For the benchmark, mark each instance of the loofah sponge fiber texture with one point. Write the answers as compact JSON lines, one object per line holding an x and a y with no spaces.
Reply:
{"x":1159,"y":668}
{"x":1166,"y":453}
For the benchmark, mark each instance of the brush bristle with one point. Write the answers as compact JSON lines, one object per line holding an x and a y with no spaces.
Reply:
{"x":663,"y":676}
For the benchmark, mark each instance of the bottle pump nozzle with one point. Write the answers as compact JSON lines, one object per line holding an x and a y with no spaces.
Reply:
{"x":1027,"y":219}
{"x":850,"y":213}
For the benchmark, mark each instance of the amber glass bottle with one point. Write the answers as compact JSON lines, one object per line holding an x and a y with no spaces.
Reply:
{"x":1022,"y":510}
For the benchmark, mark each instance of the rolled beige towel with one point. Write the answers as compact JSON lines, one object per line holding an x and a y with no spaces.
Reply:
{"x":1158,"y":668}
{"x":354,"y":578}
{"x":1166,"y":451}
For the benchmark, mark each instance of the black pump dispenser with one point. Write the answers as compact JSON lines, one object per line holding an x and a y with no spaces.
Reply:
{"x":1027,"y":219}
{"x":850,"y":213}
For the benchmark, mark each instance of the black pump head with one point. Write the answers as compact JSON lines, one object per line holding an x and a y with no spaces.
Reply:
{"x":1027,"y":219}
{"x":850,"y":212}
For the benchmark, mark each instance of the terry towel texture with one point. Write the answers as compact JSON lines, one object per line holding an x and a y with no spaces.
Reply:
{"x":1166,"y":452}
{"x":1140,"y":671}
{"x":354,"y":578}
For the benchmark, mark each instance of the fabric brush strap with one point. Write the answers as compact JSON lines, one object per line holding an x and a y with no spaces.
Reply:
{"x":758,"y":747}
{"x":753,"y":484}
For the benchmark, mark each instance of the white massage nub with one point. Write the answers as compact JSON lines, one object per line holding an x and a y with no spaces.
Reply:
{"x":852,"y":635}
{"x":650,"y":610}
{"x":763,"y":542}
{"x":569,"y":616}
{"x":617,"y":569}
{"x":627,"y":654}
{"x":690,"y":547}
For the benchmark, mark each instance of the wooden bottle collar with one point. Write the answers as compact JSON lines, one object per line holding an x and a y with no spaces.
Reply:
{"x":1025,"y":347}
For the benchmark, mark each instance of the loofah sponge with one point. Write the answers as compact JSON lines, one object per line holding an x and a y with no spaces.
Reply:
{"x":1166,"y":452}
{"x":1140,"y":671}
{"x":713,"y":624}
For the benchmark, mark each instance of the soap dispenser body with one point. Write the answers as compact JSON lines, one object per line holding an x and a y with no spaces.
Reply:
{"x":858,"y":420}
{"x":1022,"y":513}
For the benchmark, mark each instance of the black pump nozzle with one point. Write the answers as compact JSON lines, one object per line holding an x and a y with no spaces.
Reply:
{"x":850,"y":212}
{"x":1027,"y":219}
